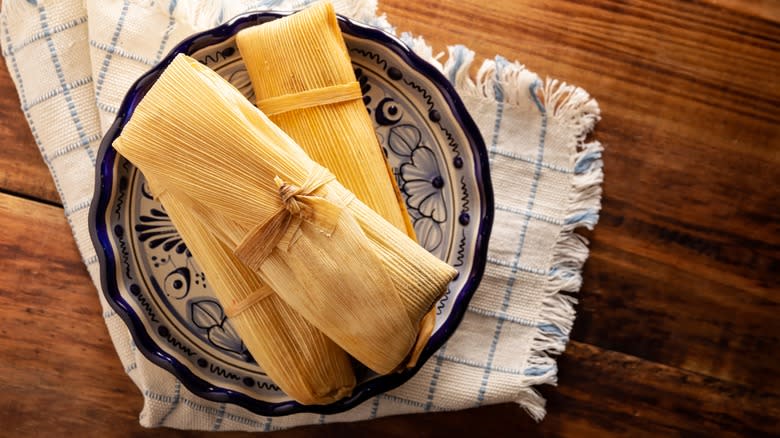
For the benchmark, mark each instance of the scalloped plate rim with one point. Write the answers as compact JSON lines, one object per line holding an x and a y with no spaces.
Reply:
{"x":104,"y":187}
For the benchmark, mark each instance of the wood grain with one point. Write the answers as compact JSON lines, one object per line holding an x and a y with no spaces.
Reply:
{"x":677,"y":332}
{"x":683,"y":264}
{"x":52,"y":322}
{"x":766,"y":9}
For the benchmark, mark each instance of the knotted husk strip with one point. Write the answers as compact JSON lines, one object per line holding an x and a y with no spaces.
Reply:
{"x":302,"y":361}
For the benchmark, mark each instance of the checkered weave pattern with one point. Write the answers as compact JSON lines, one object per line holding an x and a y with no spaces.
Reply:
{"x":72,"y":62}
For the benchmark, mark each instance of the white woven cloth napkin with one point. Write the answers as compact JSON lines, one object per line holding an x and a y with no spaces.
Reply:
{"x":72,"y":62}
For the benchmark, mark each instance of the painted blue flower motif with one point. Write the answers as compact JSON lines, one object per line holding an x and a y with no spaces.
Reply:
{"x":403,"y":140}
{"x":429,"y":233}
{"x":158,"y":230}
{"x":423,"y":184}
{"x":208,"y":315}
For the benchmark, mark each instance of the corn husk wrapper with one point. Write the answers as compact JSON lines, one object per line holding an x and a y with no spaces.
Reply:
{"x":304,"y":81}
{"x":290,"y":58}
{"x":325,"y":253}
{"x":303,"y":362}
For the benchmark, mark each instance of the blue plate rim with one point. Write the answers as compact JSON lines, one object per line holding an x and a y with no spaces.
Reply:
{"x":104,"y":181}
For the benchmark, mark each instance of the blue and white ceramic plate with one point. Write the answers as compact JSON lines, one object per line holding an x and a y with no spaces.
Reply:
{"x":151,"y":279}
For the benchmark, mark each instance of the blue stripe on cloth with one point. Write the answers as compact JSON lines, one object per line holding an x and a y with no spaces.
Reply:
{"x":587,"y":218}
{"x":458,"y":52}
{"x":585,"y":162}
{"x":538,"y":371}
{"x":194,"y":406}
{"x":509,"y":154}
{"x":44,"y":34}
{"x":158,"y":397}
{"x":174,"y":403}
{"x":531,"y":214}
{"x":501,"y":316}
{"x":198,"y":407}
{"x":550,"y":328}
{"x":242,"y":420}
{"x":73,"y":146}
{"x":114,"y":40}
{"x":404,"y":401}
{"x":435,"y":378}
{"x":401,"y":400}
{"x":321,"y":420}
{"x":516,"y":267}
{"x":91,"y":261}
{"x":113,"y":50}
{"x":61,"y":76}
{"x":167,"y":34}
{"x":218,"y":420}
{"x":267,"y":425}
{"x":498,"y":89}
{"x":474,"y":364}
{"x":221,"y":15}
{"x":107,"y":108}
{"x":57,"y":91}
{"x":519,"y":252}
{"x":78,"y":207}
{"x":374,"y":407}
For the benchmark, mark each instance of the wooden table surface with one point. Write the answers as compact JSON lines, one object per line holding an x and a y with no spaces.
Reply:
{"x":678,"y":324}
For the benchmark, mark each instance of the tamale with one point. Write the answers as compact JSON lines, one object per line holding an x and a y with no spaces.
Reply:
{"x":325,"y":253}
{"x":303,"y":362}
{"x":303,"y":80}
